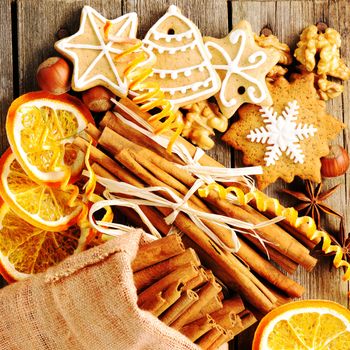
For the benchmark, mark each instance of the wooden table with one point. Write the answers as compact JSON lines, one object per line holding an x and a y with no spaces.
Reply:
{"x":29,"y":30}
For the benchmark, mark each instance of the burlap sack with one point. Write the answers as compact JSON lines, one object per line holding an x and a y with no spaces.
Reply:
{"x":87,"y":302}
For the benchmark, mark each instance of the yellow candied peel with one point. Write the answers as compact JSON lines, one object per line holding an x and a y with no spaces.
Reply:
{"x":264,"y":203}
{"x":154,"y":97}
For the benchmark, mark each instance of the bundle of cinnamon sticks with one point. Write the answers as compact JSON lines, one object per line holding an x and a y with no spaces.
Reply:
{"x":172,"y":285}
{"x":125,"y":154}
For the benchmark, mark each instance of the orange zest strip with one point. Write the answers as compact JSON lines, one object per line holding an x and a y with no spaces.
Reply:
{"x":291,"y":215}
{"x":106,"y":29}
{"x":90,"y":188}
{"x":151,"y":96}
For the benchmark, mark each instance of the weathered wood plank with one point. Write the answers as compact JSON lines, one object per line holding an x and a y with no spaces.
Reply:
{"x":341,"y":9}
{"x":6,"y":73}
{"x":6,"y":67}
{"x":287,"y":19}
{"x":41,"y":20}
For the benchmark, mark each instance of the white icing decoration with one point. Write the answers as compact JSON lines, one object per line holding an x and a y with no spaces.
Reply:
{"x":193,"y":86}
{"x":232,"y":67}
{"x":172,"y":72}
{"x":197,"y":43}
{"x":106,"y":49}
{"x":169,"y":37}
{"x":282,"y":133}
{"x":162,"y":49}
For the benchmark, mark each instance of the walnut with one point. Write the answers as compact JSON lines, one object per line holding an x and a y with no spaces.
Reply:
{"x":275,"y":73}
{"x":271,"y":41}
{"x":200,"y":119}
{"x":307,"y":48}
{"x":328,"y":89}
{"x":327,"y":45}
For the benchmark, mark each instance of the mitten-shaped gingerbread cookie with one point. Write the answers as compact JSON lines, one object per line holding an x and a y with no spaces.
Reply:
{"x":183,"y":69}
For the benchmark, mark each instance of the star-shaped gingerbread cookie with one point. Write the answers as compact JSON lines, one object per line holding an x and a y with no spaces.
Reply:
{"x":242,"y":66}
{"x":94,"y":54}
{"x":289,"y":138}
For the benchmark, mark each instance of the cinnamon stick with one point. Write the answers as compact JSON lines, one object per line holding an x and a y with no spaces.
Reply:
{"x":157,"y":251}
{"x":106,"y":162}
{"x":244,"y":281}
{"x":127,"y":108}
{"x":269,"y":272}
{"x":283,"y":261}
{"x":196,"y":329}
{"x":144,"y":278}
{"x":137,"y":158}
{"x":210,"y":337}
{"x":214,"y":304}
{"x":197,"y":281}
{"x":187,"y":298}
{"x":284,"y":243}
{"x":229,"y":321}
{"x":114,"y":123}
{"x":152,"y":214}
{"x":181,"y":275}
{"x":234,"y":304}
{"x":245,"y":278}
{"x":248,"y":319}
{"x":170,"y":295}
{"x":154,"y":304}
{"x":224,"y":338}
{"x":206,"y":293}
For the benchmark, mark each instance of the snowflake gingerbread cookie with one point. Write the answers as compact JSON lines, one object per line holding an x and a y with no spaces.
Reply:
{"x":289,"y":138}
{"x":242,"y":66}
{"x":183,"y":69}
{"x":94,"y":53}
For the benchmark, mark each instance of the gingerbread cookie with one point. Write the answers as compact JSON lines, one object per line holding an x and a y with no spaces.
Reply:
{"x":289,"y":138}
{"x":242,"y":66}
{"x":94,"y":54}
{"x":183,"y":69}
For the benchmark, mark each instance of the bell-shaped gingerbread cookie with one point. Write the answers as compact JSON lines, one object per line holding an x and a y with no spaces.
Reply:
{"x":183,"y":69}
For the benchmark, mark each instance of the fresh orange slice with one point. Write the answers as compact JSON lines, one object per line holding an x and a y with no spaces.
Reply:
{"x":26,"y":249}
{"x":40,"y":127}
{"x":40,"y":205}
{"x":305,"y":325}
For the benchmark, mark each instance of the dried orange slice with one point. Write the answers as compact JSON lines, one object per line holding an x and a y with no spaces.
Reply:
{"x":40,"y":127}
{"x":305,"y":325}
{"x":40,"y":205}
{"x":26,"y":249}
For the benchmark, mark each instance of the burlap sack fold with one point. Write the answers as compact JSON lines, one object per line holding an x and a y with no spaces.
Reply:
{"x":86,"y":302}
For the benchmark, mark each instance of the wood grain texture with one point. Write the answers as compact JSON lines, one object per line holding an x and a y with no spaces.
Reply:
{"x":287,"y":19}
{"x":45,"y":18}
{"x":6,"y":67}
{"x":38,"y":21}
{"x":6,"y":74}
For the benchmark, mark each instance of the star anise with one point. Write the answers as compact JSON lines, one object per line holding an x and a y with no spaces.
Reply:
{"x":312,"y":201}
